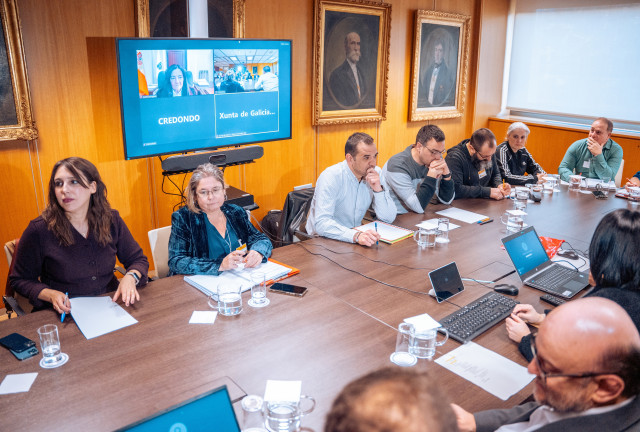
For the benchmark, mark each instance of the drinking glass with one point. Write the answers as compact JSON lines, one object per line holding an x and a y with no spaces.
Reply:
{"x":443,"y":231}
{"x":603,"y":186}
{"x":259,"y":291}
{"x":574,"y":181}
{"x":401,"y":356}
{"x":514,"y":222}
{"x":252,"y":414}
{"x":52,"y":356}
{"x":423,"y":343}
{"x":285,"y":416}
{"x":228,"y":300}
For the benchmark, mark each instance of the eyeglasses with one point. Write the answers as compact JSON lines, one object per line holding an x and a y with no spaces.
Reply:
{"x":545,"y":375}
{"x":483,"y":157}
{"x":436,"y":153}
{"x":203,"y":193}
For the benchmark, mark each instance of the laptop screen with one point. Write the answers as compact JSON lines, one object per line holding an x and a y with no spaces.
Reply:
{"x":206,"y":412}
{"x":525,"y":250}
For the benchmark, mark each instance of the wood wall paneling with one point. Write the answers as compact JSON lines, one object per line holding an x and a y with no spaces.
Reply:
{"x":548,"y":144}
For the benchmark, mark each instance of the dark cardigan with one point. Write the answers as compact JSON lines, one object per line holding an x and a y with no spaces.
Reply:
{"x":188,"y":246}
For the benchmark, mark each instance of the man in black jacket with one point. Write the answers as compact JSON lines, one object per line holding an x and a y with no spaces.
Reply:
{"x":474,"y":167}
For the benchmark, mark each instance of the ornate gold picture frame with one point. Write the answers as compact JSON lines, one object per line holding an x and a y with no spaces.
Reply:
{"x":439,"y":76}
{"x":16,"y":120}
{"x":351,"y":61}
{"x":143,"y":24}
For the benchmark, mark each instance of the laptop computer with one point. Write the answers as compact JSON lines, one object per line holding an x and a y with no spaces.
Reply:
{"x":536,"y":269}
{"x":206,"y":412}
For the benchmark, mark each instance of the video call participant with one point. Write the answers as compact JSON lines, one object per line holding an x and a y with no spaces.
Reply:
{"x":175,"y":84}
{"x":391,"y":400}
{"x":230,"y":85}
{"x":419,"y":172}
{"x":514,"y":160}
{"x":597,"y":156}
{"x":268,"y":81}
{"x":474,"y":167}
{"x":72,"y":247}
{"x":587,"y":378}
{"x":345,"y":191}
{"x":206,"y":233}
{"x":614,"y":256}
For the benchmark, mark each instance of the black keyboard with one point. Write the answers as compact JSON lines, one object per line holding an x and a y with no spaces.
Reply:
{"x":478,"y":316}
{"x":552,"y":278}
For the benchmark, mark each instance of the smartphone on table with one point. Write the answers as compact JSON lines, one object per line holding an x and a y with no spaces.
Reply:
{"x":288,"y":289}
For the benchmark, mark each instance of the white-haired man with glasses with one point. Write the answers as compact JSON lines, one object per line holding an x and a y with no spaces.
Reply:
{"x":418,"y":173}
{"x":586,"y":362}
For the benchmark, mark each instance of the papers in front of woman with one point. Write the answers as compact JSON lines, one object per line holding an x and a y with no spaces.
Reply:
{"x":96,"y":316}
{"x":209,"y":284}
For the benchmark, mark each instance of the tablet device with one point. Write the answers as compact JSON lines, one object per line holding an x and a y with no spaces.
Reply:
{"x":446,"y":281}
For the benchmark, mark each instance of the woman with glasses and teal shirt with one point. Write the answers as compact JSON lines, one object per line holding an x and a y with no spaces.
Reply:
{"x":208,"y":236}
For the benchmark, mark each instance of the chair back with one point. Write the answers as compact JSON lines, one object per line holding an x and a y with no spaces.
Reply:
{"x":13,"y":302}
{"x":618,"y":178}
{"x":159,"y":242}
{"x":294,"y":215}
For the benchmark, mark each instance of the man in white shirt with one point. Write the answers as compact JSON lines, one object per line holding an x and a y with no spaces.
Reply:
{"x":586,"y":357}
{"x":268,"y":81}
{"x":345,"y":191}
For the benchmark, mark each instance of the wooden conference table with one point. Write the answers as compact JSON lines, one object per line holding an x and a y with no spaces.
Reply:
{"x":343,"y":328}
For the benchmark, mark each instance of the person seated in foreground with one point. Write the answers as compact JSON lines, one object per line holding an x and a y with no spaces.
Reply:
{"x":614,"y":256}
{"x":345,"y":191}
{"x":391,"y":400}
{"x":230,"y":85}
{"x":474,"y":167}
{"x":515,"y":161}
{"x":419,"y":173}
{"x":72,"y":247}
{"x":586,"y":358}
{"x":207,"y":235}
{"x":596,"y":156}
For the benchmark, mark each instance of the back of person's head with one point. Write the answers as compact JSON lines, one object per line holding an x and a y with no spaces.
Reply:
{"x":351,"y":147}
{"x":481,"y":136}
{"x":230,"y":75}
{"x":606,"y":121}
{"x":596,"y":336}
{"x":266,"y":69}
{"x":391,"y":400}
{"x":614,"y":252}
{"x":427,"y":132}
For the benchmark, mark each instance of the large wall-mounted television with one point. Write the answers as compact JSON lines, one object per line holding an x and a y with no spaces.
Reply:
{"x":180,"y":95}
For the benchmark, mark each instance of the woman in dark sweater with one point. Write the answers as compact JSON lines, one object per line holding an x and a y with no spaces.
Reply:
{"x":72,"y":247}
{"x":614,"y":256}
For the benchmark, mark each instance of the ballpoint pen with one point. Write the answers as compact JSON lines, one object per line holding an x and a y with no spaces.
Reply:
{"x":66,"y":299}
{"x":375,"y":224}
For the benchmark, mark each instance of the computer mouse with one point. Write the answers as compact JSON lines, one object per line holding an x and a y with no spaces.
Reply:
{"x":506,"y":289}
{"x":567,"y":254}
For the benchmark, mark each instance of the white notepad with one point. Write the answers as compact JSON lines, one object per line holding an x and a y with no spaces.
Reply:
{"x":461,"y":215}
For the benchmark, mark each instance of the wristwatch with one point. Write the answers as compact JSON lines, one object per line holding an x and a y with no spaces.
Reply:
{"x":135,"y":276}
{"x":446,"y":176}
{"x":357,"y":236}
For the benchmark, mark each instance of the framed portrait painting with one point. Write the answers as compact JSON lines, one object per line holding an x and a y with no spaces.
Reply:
{"x":16,"y":120}
{"x":351,"y":61}
{"x":440,"y":65}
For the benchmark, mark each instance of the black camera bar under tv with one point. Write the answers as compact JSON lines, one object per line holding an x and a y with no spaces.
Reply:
{"x":183,"y":164}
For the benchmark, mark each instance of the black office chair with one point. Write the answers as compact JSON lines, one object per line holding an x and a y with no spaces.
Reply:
{"x":294,"y":217}
{"x":13,"y":302}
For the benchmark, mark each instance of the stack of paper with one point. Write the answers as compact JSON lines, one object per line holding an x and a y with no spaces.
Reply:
{"x":209,"y":284}
{"x":388,"y":233}
{"x":462,"y":215}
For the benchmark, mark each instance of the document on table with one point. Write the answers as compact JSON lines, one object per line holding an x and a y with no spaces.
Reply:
{"x":462,"y":215}
{"x":209,"y":284}
{"x":488,"y":370}
{"x":96,"y":316}
{"x":433,"y":224}
{"x":593,"y":182}
{"x":388,"y":233}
